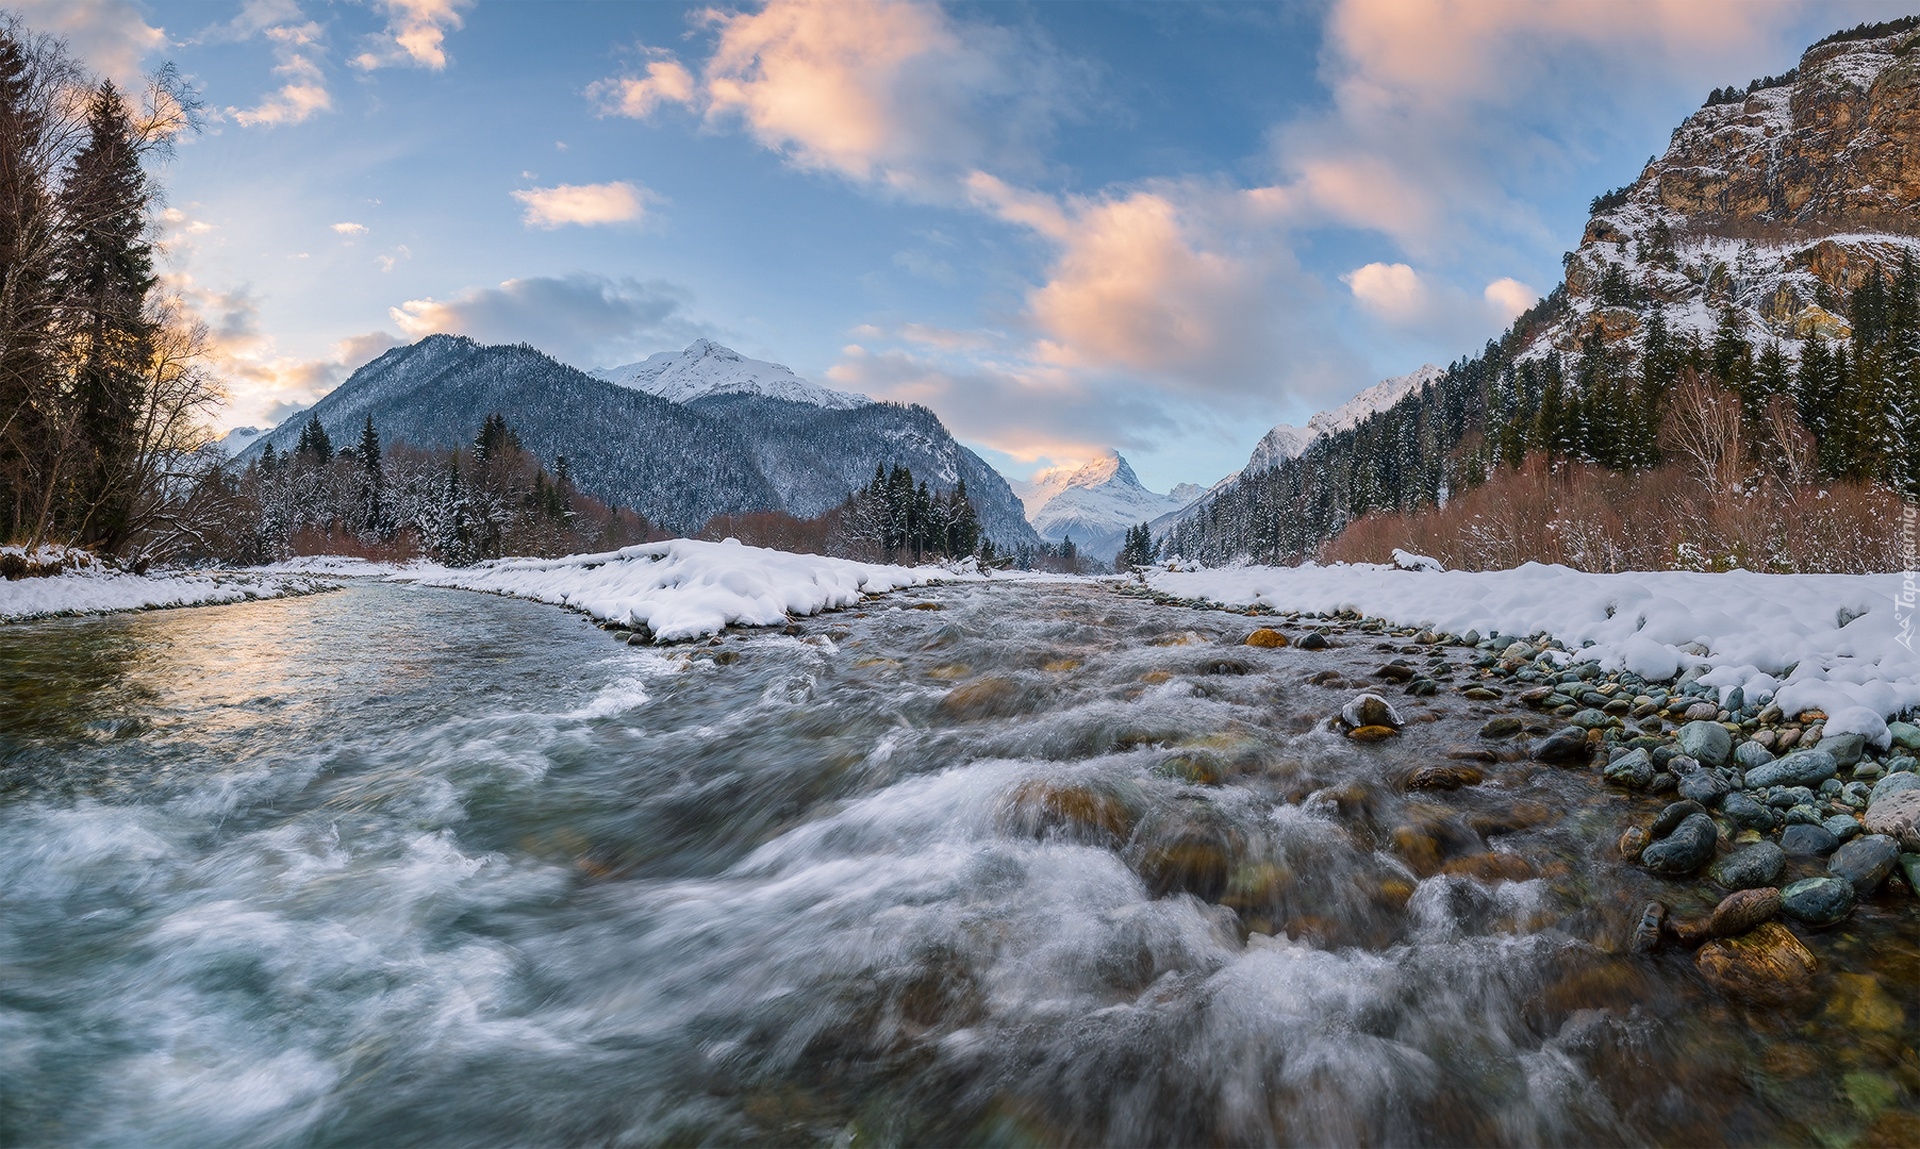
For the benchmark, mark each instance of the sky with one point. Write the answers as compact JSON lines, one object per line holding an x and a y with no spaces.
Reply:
{"x":1065,"y":227}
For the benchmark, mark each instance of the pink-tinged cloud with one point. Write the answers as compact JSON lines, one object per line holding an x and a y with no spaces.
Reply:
{"x":891,"y":93}
{"x":1509,"y":297}
{"x":1392,"y":290}
{"x":416,"y":34}
{"x":584,"y":205}
{"x":112,"y":37}
{"x":583,"y":319}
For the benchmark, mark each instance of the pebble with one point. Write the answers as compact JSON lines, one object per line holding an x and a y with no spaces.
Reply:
{"x":1818,"y":901}
{"x":1897,"y":816}
{"x":1443,"y":777}
{"x":1845,"y":748}
{"x":1591,"y":719}
{"x":1910,"y":870}
{"x":1646,"y":935}
{"x":1801,"y":768}
{"x":1750,"y":754}
{"x":1480,"y":694}
{"x":1314,"y":641}
{"x":1686,"y":849}
{"x":1634,"y":770}
{"x":1701,"y":711}
{"x":1741,"y":911}
{"x":1266,"y":637}
{"x":1904,"y":734}
{"x":1742,"y":810}
{"x":1754,"y":867}
{"x":1845,"y":827}
{"x":1707,"y":741}
{"x":1703,"y":786}
{"x":1566,"y":746}
{"x":1803,"y":814}
{"x":1811,"y":840}
{"x":1865,"y":862}
{"x":1370,"y":710}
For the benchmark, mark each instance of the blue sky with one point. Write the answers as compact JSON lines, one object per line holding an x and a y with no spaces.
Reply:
{"x":1063,"y":226}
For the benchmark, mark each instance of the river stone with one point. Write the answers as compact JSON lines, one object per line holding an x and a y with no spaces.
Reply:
{"x":1741,"y":911}
{"x":1590,"y":718}
{"x":1632,"y":840}
{"x":1704,"y":787}
{"x":1818,"y":901}
{"x":1768,"y":965}
{"x":1910,"y":870}
{"x":1845,"y":748}
{"x":1671,"y":817}
{"x":1803,"y":814}
{"x":1504,"y":726}
{"x":1865,"y":862}
{"x":1893,"y":784}
{"x":1745,"y":811}
{"x":1634,"y":770}
{"x":1313,"y":641}
{"x":1845,"y":827}
{"x":1898,"y":817}
{"x":1569,"y":746}
{"x":1370,"y":710}
{"x":1440,"y":776}
{"x":1810,"y":840}
{"x":1751,"y":754}
{"x":1707,"y":741}
{"x":1266,"y":637}
{"x":1646,"y":934}
{"x":1752,"y":868}
{"x":1801,"y":768}
{"x":1685,"y":850}
{"x":1904,"y":734}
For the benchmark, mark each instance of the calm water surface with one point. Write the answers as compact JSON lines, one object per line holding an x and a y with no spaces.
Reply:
{"x":395,"y":866}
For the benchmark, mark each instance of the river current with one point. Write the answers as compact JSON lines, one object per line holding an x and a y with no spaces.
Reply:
{"x":1022,"y":864}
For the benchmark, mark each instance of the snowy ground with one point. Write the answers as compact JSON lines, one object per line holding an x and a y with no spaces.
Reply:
{"x":98,"y":590}
{"x":685,"y":589}
{"x":1827,"y":642}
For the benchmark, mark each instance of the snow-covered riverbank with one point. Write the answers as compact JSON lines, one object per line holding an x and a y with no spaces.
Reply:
{"x":682,"y":588}
{"x":1825,"y":642}
{"x":99,"y":590}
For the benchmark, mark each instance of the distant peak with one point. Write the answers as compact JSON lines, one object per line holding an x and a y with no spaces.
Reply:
{"x":708,"y":349}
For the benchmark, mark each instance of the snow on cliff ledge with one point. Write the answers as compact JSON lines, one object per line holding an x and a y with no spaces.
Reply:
{"x":1825,"y":642}
{"x":682,"y":588}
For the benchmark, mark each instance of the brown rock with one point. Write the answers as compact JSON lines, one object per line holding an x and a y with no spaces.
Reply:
{"x":983,"y":698}
{"x":1491,"y":867}
{"x":1632,"y":842}
{"x":1898,"y":817}
{"x":1768,"y":966}
{"x":1040,"y":807}
{"x":1471,"y":754}
{"x":1443,"y":777}
{"x":1736,"y":914}
{"x":1371,"y":733}
{"x":1267,"y":637}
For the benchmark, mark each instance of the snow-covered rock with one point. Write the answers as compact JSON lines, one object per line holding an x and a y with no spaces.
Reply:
{"x":1818,"y":641}
{"x":1094,"y":504}
{"x":706,"y":368}
{"x":238,"y":440}
{"x":682,"y":588}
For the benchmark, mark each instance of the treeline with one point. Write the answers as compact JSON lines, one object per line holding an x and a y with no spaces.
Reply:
{"x":457,"y":507}
{"x":1736,"y":416}
{"x":102,"y":391}
{"x":894,"y":518}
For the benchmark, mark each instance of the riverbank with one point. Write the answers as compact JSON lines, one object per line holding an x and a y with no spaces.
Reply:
{"x":86,"y":586}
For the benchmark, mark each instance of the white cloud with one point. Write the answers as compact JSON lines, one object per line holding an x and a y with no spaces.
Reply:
{"x":298,"y":45}
{"x":584,"y":319}
{"x":585,"y":205}
{"x":111,"y":36}
{"x":350,"y":228}
{"x":1509,"y":297}
{"x":416,"y":34}
{"x":890,"y":93}
{"x":1393,"y":290}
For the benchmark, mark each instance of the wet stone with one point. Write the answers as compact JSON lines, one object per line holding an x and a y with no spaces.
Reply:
{"x":1632,"y":841}
{"x":1370,"y":710}
{"x":1505,"y":726}
{"x":1893,"y":784}
{"x":1480,"y":694}
{"x":1634,"y":770}
{"x":1898,"y":817}
{"x":1768,"y":966}
{"x":1707,"y":741}
{"x":1813,"y":841}
{"x":1266,"y":638}
{"x":1844,"y":827}
{"x":1865,"y":862}
{"x":1671,"y":817}
{"x":1801,"y":768}
{"x":1751,"y":754}
{"x":1744,"y":810}
{"x":1750,"y":868}
{"x":1565,"y":746}
{"x":1443,"y":777}
{"x":1591,"y":719}
{"x":1646,"y":934}
{"x":1464,"y":753}
{"x":1685,"y":850}
{"x":1703,"y":786}
{"x":1314,"y":641}
{"x":1818,"y":901}
{"x":1845,"y":748}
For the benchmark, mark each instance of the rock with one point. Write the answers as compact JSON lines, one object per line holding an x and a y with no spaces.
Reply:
{"x":1632,"y":840}
{"x":1085,"y":813}
{"x":1423,"y":688}
{"x":985,"y":698}
{"x":1465,"y":753}
{"x":1394,"y":672}
{"x":1504,"y":726}
{"x":1904,"y":734}
{"x":1893,"y":784}
{"x":1803,"y":814}
{"x":1685,"y":850}
{"x":1865,"y":862}
{"x":1910,"y":870}
{"x":1314,"y":641}
{"x":1701,"y":712}
{"x":1844,"y":827}
{"x":1591,"y":719}
{"x":1481,"y":694}
{"x":1634,"y":770}
{"x":1443,"y":777}
{"x":1845,"y":748}
{"x":1370,"y":710}
{"x":1671,"y":817}
{"x":1518,"y":651}
{"x":1768,"y":965}
{"x":1756,"y":866}
{"x":1566,"y":746}
{"x":1741,"y":911}
{"x":1818,"y":901}
{"x":1704,"y":787}
{"x":1898,"y":817}
{"x":1744,"y":810}
{"x":1267,"y":638}
{"x":1371,"y":733}
{"x":1646,"y":934}
{"x":1801,"y":768}
{"x":1750,"y":754}
{"x":1813,"y":841}
{"x":1707,"y":741}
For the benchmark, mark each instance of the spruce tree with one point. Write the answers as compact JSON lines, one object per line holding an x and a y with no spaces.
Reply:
{"x":27,"y":295}
{"x":373,"y":484}
{"x":107,"y":271}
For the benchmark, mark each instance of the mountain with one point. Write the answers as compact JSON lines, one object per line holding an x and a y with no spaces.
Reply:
{"x":1761,"y":249}
{"x":706,"y":369}
{"x":679,"y":464}
{"x":1095,"y":503}
{"x":238,"y":440}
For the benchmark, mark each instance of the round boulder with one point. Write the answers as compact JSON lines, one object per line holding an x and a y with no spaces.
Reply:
{"x":1707,"y":741}
{"x":1865,"y":862}
{"x":1818,"y":901}
{"x":1685,"y":850}
{"x":1898,"y":817}
{"x":1753,"y":868}
{"x":1767,"y":965}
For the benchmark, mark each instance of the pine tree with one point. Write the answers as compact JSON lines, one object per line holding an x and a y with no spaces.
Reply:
{"x":315,"y":449}
{"x":107,"y":271}
{"x":27,"y":296}
{"x":373,"y":484}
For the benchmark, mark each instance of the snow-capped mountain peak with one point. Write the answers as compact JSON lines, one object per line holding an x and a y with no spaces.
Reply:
{"x":706,"y":368}
{"x":1095,"y":502}
{"x":1372,"y":401}
{"x":1278,"y":445}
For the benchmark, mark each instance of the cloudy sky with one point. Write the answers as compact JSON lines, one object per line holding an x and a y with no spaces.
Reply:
{"x":1064,"y":227}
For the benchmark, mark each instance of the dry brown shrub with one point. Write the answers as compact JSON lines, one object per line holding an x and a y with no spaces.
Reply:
{"x":404,"y":546}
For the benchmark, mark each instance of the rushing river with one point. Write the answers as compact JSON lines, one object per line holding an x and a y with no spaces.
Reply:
{"x":394,"y":866}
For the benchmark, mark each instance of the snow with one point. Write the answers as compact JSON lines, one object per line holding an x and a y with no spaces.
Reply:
{"x":1371,"y":402}
{"x":1283,"y":442}
{"x":1095,"y":503}
{"x":706,"y":368}
{"x":1408,"y":561}
{"x":682,"y":588}
{"x":238,"y":440}
{"x":97,"y":590}
{"x":1814,"y":641}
